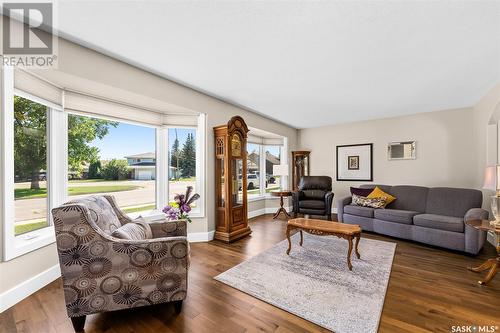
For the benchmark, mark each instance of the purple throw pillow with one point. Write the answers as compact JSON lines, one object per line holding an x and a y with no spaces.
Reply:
{"x":362,"y":192}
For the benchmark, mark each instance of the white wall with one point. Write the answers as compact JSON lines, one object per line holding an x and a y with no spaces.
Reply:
{"x":445,"y":149}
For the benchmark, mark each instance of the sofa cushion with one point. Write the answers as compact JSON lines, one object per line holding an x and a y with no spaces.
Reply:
{"x":452,"y":201}
{"x":101,"y":212}
{"x":312,"y":204}
{"x":362,"y":192}
{"x":378,"y":193}
{"x":136,"y":230}
{"x":441,"y":222}
{"x":359,"y":210}
{"x":412,"y":198}
{"x":368,"y":202}
{"x":395,"y":215}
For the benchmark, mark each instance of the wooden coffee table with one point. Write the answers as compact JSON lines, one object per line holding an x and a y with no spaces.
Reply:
{"x":492,"y":264}
{"x":325,"y":228}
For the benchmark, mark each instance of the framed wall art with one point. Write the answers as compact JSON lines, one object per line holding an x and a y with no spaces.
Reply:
{"x":355,"y":162}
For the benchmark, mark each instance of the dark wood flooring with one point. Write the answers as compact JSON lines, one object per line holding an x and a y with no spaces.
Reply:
{"x":429,"y":291}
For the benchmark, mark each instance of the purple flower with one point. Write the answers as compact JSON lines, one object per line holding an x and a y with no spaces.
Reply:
{"x":185,"y":208}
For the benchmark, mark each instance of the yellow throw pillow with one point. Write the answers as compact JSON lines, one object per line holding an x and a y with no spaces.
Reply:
{"x":378,"y":193}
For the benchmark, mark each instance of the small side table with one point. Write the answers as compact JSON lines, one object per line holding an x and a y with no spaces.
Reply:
{"x":492,"y":264}
{"x":281,"y":194}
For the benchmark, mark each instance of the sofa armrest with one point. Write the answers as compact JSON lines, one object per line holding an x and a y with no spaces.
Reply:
{"x":340,"y":207}
{"x":476,"y":214}
{"x":166,"y":228}
{"x":474,"y":239}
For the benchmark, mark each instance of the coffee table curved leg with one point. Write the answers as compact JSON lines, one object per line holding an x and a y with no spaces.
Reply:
{"x":358,"y":236}
{"x":301,"y":238}
{"x":288,"y":229}
{"x":349,"y":254}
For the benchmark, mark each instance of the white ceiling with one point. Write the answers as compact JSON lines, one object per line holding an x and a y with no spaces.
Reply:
{"x":305,"y":63}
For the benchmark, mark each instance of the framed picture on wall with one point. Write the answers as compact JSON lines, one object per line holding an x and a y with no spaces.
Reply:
{"x":355,"y":162}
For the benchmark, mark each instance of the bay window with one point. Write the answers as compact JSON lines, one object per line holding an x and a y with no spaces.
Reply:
{"x":51,"y":154}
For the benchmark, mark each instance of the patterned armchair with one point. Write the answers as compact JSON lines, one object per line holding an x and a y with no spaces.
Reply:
{"x":103,"y":273}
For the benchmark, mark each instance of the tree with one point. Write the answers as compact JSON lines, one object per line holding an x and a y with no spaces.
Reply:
{"x":187,"y":162}
{"x":115,"y":170}
{"x":175,"y":155}
{"x":94,"y":170}
{"x":81,"y":132}
{"x":30,"y":139}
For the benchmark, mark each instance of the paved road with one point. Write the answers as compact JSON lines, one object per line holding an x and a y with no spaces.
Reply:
{"x":30,"y":209}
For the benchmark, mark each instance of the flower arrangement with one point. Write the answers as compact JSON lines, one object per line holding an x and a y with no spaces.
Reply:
{"x":181,"y":206}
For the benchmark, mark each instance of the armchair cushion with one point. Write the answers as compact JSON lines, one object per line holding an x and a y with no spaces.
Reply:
{"x":312,"y":204}
{"x":101,"y":212}
{"x":136,"y":230}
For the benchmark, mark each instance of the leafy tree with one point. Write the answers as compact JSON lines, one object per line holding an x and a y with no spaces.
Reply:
{"x":30,"y":139}
{"x":187,"y":162}
{"x":115,"y":170}
{"x":81,"y":132}
{"x":95,"y":170}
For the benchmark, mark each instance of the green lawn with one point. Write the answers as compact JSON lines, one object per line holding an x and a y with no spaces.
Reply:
{"x":22,"y":228}
{"x":139,"y":209}
{"x":26,"y":193}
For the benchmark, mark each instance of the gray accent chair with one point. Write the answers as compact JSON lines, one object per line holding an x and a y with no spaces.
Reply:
{"x":314,"y":196}
{"x":434,"y":216}
{"x":103,"y":273}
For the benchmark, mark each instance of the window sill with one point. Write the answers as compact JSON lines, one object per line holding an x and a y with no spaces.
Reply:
{"x":29,"y":242}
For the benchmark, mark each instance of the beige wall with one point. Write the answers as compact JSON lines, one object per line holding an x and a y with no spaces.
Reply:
{"x":445,"y":149}
{"x":85,"y":70}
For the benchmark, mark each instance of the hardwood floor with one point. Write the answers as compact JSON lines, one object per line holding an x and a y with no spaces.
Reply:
{"x":429,"y":291}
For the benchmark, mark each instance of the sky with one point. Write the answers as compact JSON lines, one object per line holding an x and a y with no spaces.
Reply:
{"x":127,"y":139}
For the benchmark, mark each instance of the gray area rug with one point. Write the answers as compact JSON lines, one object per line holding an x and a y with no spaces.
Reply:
{"x":314,"y":283}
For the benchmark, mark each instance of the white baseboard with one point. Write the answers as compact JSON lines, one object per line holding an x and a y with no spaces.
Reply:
{"x":194,"y":237}
{"x":28,"y":287}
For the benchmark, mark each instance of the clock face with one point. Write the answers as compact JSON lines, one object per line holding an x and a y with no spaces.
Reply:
{"x":236,"y":145}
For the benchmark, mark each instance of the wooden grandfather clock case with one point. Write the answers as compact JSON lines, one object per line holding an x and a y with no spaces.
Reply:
{"x":231,"y":180}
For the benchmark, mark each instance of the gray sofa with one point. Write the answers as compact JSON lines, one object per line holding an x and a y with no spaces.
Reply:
{"x":432,"y":216}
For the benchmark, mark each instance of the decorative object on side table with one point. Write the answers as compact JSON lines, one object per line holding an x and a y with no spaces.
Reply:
{"x":300,"y":167}
{"x":180,"y":208}
{"x":355,"y":162}
{"x":494,"y":263}
{"x":326,"y":228}
{"x":491,"y":182}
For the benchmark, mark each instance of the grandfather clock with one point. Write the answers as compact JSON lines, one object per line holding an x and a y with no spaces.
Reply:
{"x":231,"y":180}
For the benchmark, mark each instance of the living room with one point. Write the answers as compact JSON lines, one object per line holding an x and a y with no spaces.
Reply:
{"x":250,"y":166}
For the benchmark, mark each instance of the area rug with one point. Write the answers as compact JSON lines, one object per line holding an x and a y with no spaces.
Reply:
{"x":314,"y":283}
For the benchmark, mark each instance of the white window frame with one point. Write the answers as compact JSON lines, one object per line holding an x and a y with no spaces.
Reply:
{"x":14,"y":246}
{"x":199,"y":211}
{"x":262,"y":168}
